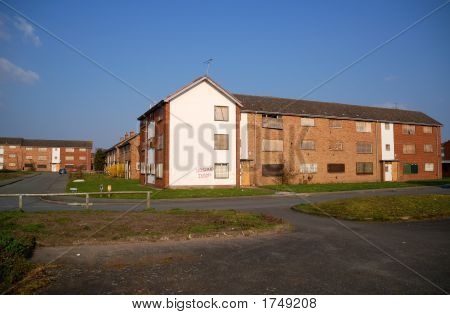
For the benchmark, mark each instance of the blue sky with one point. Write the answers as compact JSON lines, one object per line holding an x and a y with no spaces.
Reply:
{"x":277,"y":48}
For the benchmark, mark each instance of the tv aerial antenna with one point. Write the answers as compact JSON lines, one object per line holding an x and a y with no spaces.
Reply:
{"x":208,"y":64}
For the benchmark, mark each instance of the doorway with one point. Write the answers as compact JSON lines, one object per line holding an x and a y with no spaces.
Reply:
{"x":245,"y":173}
{"x":388,"y":172}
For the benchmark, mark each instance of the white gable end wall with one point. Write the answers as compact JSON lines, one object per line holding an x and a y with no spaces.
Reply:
{"x":192,"y":128}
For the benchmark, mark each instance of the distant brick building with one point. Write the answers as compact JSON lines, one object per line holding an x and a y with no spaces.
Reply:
{"x":44,"y":155}
{"x":203,"y":135}
{"x":125,"y":152}
{"x":445,"y":151}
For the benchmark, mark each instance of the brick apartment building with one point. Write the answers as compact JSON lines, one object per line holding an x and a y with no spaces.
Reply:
{"x":44,"y":155}
{"x":202,"y":135}
{"x":445,"y":159}
{"x":126,"y":152}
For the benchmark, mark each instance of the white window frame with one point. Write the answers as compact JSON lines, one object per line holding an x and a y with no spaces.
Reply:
{"x":308,"y":168}
{"x":307,"y":122}
{"x":429,"y":167}
{"x":223,"y":173}
{"x":363,"y":126}
{"x":225,"y":113}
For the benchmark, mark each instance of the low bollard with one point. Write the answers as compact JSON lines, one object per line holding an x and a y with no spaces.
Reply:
{"x":87,"y":201}
{"x":148,"y":199}
{"x":20,"y":202}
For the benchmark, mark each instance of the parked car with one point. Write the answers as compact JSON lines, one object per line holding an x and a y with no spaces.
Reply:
{"x":62,"y":171}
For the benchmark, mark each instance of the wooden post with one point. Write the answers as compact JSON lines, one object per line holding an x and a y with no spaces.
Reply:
{"x":87,"y":201}
{"x":148,"y":199}
{"x":20,"y":202}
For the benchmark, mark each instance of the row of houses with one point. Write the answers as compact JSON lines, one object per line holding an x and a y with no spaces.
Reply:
{"x":203,"y":135}
{"x":44,"y":155}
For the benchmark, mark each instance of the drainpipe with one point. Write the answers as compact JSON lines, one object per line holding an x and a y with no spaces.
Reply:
{"x":254,"y":148}
{"x":376,"y":149}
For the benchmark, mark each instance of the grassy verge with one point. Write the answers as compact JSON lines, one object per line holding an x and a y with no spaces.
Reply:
{"x":311,"y":188}
{"x":92,"y":183}
{"x":75,"y":227}
{"x":6,"y":174}
{"x":392,"y":208}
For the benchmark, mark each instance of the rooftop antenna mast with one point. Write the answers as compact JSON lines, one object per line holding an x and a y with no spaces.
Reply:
{"x":208,"y":64}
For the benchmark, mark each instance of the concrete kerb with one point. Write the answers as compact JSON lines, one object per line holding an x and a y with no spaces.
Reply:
{"x":7,"y":182}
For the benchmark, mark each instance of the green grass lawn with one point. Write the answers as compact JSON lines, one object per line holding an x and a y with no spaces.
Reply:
{"x":6,"y":174}
{"x":93,"y":182}
{"x":391,"y":208}
{"x":311,"y":188}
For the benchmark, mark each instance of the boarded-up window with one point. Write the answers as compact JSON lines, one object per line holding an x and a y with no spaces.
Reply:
{"x":409,"y":149}
{"x":221,"y":170}
{"x":69,"y":158}
{"x":336,"y":145}
{"x":42,"y":158}
{"x":363,"y":147}
{"x":29,"y":157}
{"x":271,"y":145}
{"x":159,"y":170}
{"x":308,"y":168}
{"x":364,"y":168}
{"x":221,"y":113}
{"x":307,"y":122}
{"x":427,"y":129}
{"x":12,"y":155}
{"x":427,"y":148}
{"x":151,"y":129}
{"x":12,"y":164}
{"x":410,"y":168}
{"x":160,"y":142}
{"x":408,"y":129}
{"x":41,"y":166}
{"x":308,"y":145}
{"x":28,"y":165}
{"x":12,"y":147}
{"x":272,"y":169}
{"x":362,"y":126}
{"x":272,"y":121}
{"x":82,"y":158}
{"x":335,"y":123}
{"x":220,"y":142}
{"x":67,"y":149}
{"x":28,"y":148}
{"x":336,"y":168}
{"x":429,"y":167}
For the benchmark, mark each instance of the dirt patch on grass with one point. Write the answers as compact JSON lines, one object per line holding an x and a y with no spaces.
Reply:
{"x":92,"y":227}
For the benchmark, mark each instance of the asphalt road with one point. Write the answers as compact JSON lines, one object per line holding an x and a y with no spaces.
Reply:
{"x":321,"y":256}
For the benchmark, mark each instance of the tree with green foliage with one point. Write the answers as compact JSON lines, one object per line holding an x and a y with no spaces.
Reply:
{"x":99,"y":160}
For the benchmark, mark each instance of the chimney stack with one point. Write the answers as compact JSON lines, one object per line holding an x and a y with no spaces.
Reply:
{"x":131,"y":134}
{"x":126,"y":135}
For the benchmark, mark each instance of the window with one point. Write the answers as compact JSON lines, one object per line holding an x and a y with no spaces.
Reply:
{"x":42,"y":158}
{"x":410,"y":168}
{"x":159,"y":115}
{"x":308,"y":168}
{"x":335,"y":123}
{"x":28,"y":148}
{"x":362,"y":126}
{"x":70,"y":150}
{"x":12,"y":147}
{"x":41,"y":166}
{"x":69,"y":158}
{"x":221,"y":170}
{"x":387,"y":126}
{"x":272,"y":145}
{"x":429,"y":167}
{"x":138,"y":166}
{"x":160,"y":144}
{"x":364,"y":168}
{"x":159,"y":170}
{"x":220,"y":142}
{"x":307,"y":122}
{"x":221,"y":113}
{"x":28,"y":165}
{"x":12,"y":155}
{"x":28,"y":157}
{"x":408,"y":129}
{"x":272,"y":169}
{"x":388,"y":147}
{"x":427,"y":148}
{"x":427,"y":129}
{"x":336,"y":168}
{"x":308,"y":145}
{"x":151,"y":129}
{"x":82,"y":158}
{"x":363,"y":147}
{"x":409,"y":149}
{"x":43,"y":150}
{"x":12,"y":164}
{"x":272,"y":121}
{"x":336,"y":145}
{"x":82,"y":149}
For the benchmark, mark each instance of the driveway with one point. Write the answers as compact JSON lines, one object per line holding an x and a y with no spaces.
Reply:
{"x":321,"y":256}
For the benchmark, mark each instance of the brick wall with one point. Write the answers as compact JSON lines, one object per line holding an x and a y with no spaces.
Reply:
{"x":12,"y":157}
{"x":419,"y":139}
{"x":292,"y":156}
{"x":80,"y":158}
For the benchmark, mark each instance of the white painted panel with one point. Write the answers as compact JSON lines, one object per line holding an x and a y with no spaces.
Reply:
{"x":56,"y":155}
{"x":1,"y":159}
{"x":244,"y":136}
{"x":387,"y":138}
{"x":192,"y":129}
{"x":151,"y":156}
{"x":2,"y":151}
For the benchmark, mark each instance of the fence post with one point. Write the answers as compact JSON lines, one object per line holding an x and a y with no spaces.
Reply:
{"x":148,"y":199}
{"x":20,"y":203}
{"x":87,"y":201}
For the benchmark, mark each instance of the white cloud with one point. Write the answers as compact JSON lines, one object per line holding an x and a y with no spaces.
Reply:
{"x":10,"y":71}
{"x":28,"y":30}
{"x":3,"y":33}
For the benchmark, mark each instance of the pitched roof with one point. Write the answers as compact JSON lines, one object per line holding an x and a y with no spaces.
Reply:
{"x":285,"y":106}
{"x":46,"y":143}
